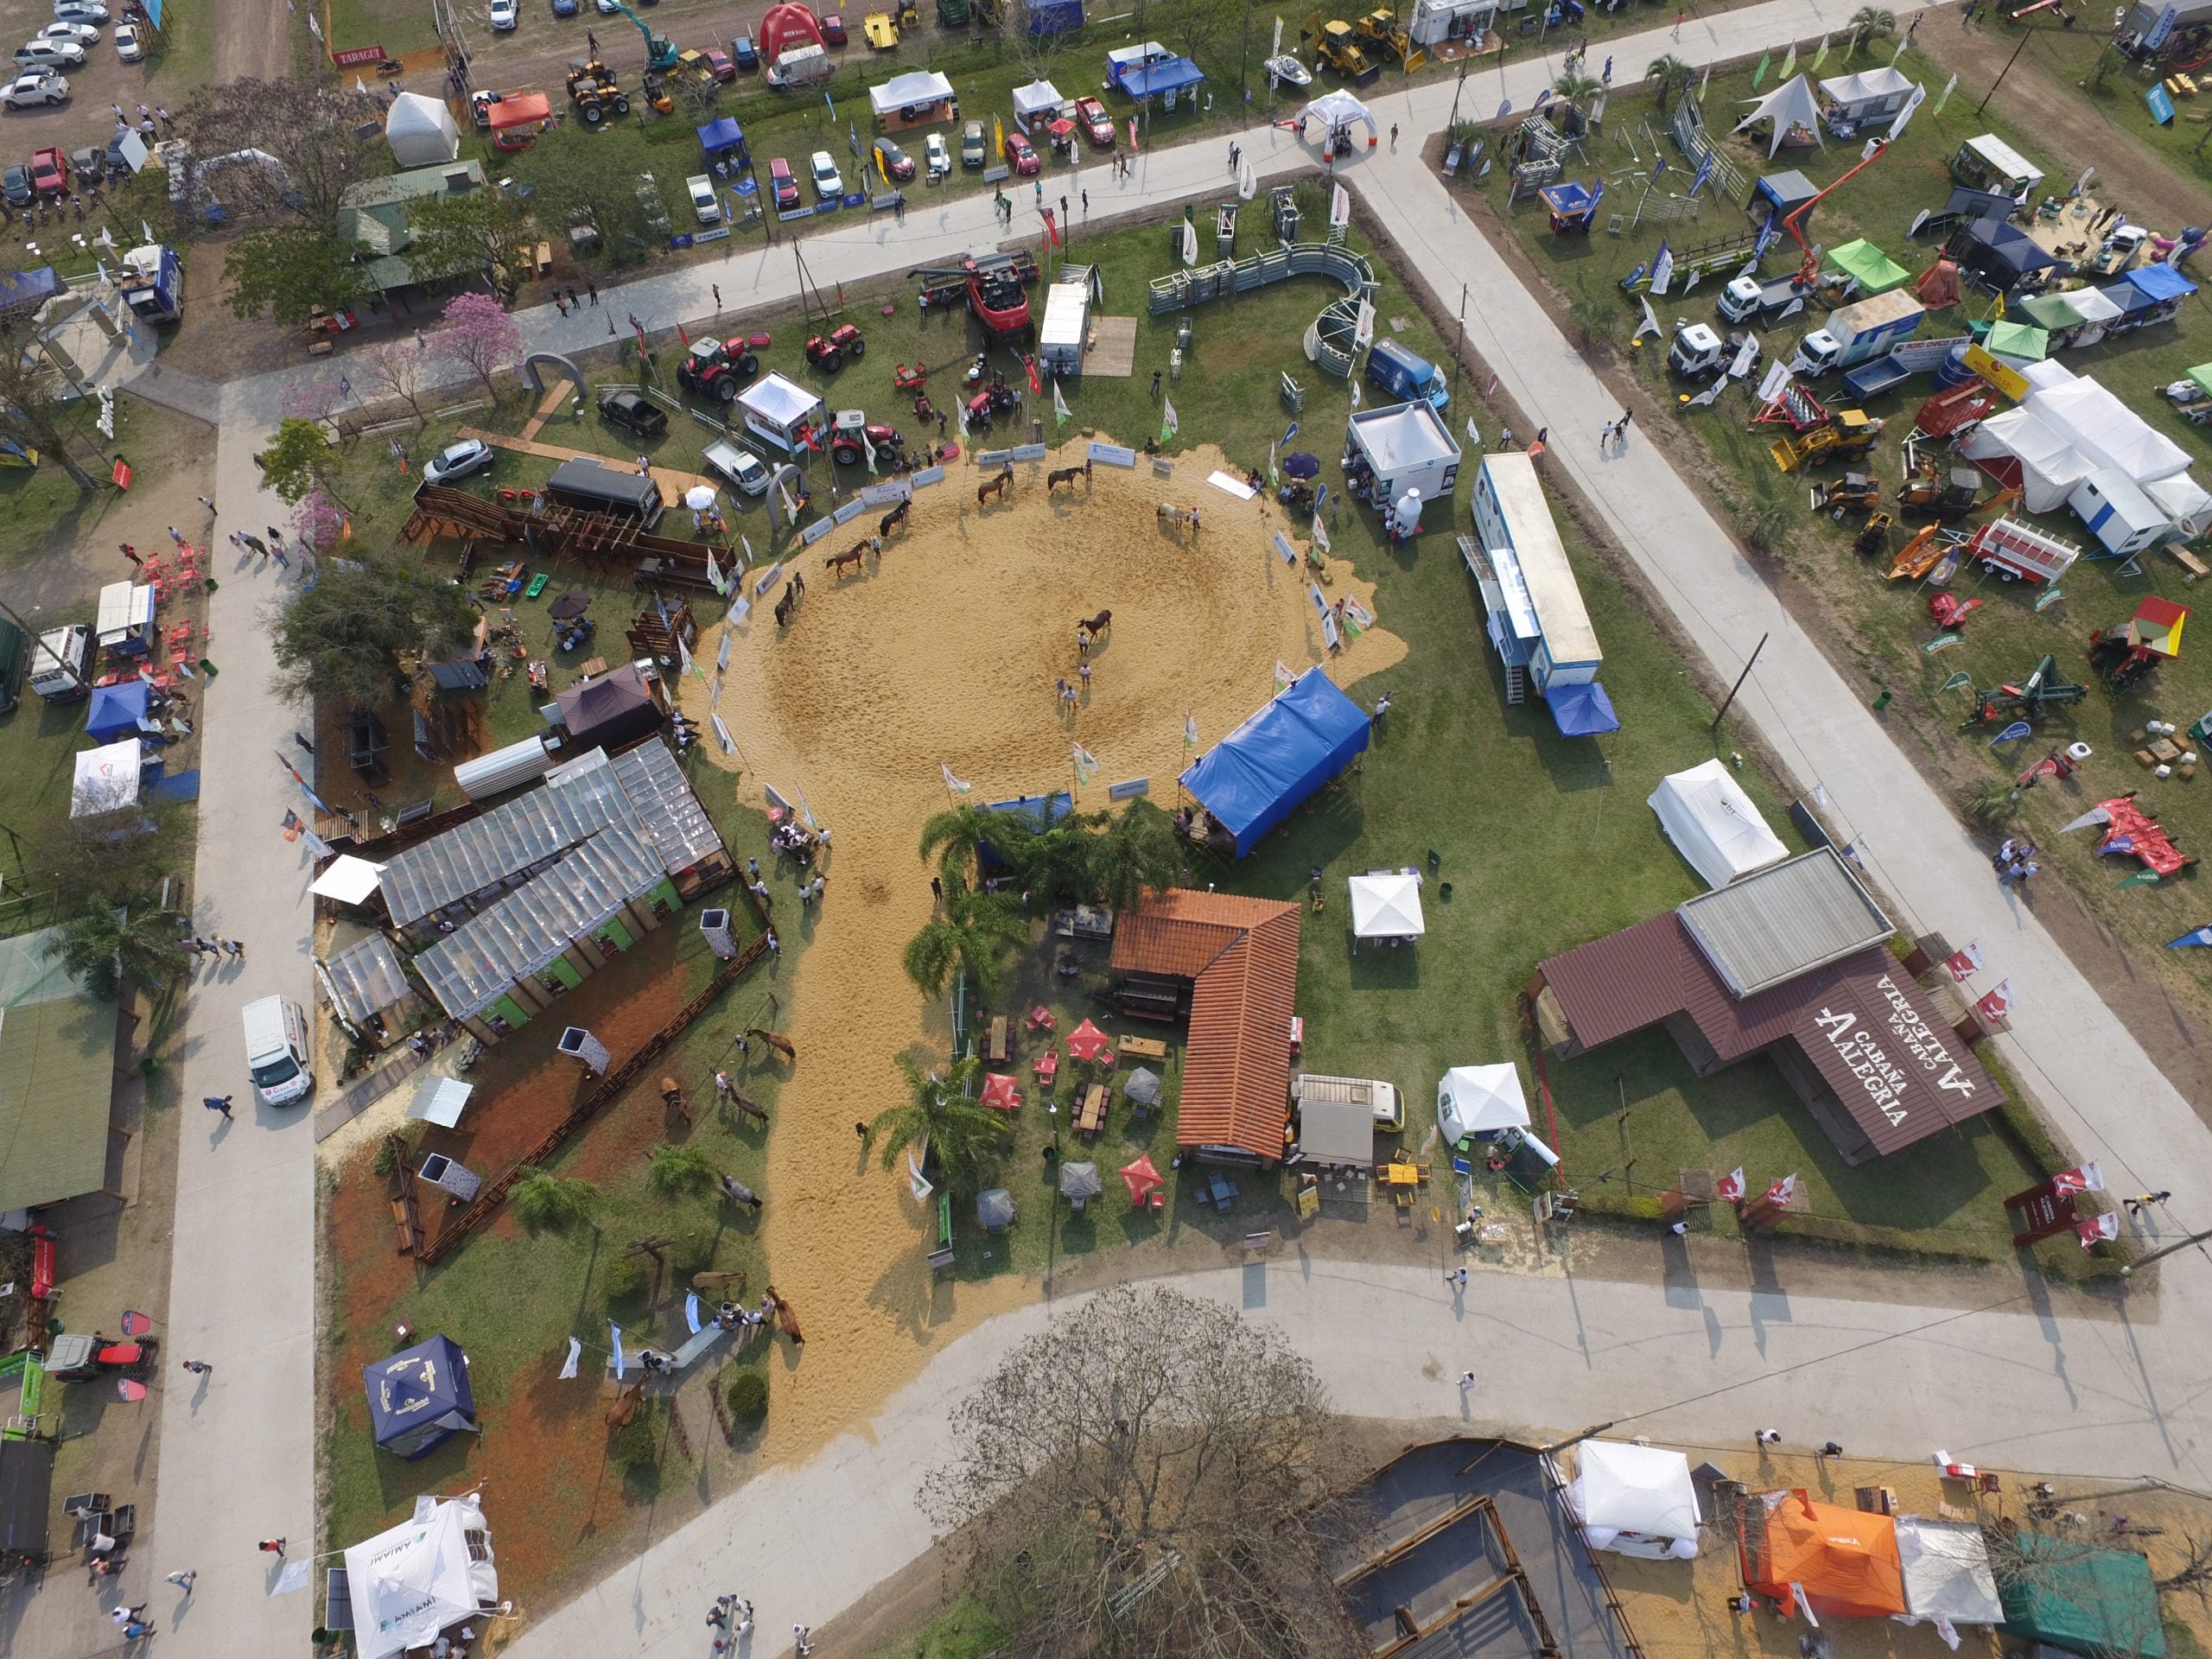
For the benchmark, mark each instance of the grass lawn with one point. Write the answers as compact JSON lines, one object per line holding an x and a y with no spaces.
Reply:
{"x":1880,"y":629}
{"x":2072,"y":60}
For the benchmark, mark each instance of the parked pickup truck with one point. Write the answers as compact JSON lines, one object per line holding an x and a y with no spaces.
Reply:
{"x":1764,"y":299}
{"x":744,"y":469}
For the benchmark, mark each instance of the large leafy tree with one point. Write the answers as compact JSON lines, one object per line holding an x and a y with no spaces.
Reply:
{"x":1668,"y":75}
{"x":285,"y":271}
{"x":1871,"y":23}
{"x":1133,"y":850}
{"x":678,"y":1167}
{"x":301,"y":461}
{"x":108,"y":946}
{"x":962,"y":1132}
{"x":973,"y":934}
{"x":547,"y":1203}
{"x":476,"y":331}
{"x":344,"y":638}
{"x":955,"y":836}
{"x":323,"y":139}
{"x":483,"y":231}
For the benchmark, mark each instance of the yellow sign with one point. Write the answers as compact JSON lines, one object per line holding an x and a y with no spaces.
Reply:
{"x":1309,"y":1201}
{"x":2002,"y":376}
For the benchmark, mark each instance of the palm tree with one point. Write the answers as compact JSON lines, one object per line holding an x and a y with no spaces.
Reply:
{"x":1576,"y":87}
{"x":1871,"y":22}
{"x":962,"y":1132}
{"x":673,"y":1170}
{"x":973,"y":935}
{"x":1056,"y":861}
{"x":1135,"y":851}
{"x":1668,"y":75}
{"x":546,"y":1203}
{"x":108,"y":946}
{"x":955,"y":838}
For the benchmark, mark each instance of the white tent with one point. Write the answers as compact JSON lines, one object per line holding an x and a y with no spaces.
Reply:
{"x":1639,"y":1500}
{"x":439,"y":1099}
{"x":1947,"y":1574}
{"x":916,"y":90}
{"x":2107,"y":431}
{"x":1037,"y":97}
{"x":349,"y":880}
{"x":2184,"y":502}
{"x":412,"y":1583}
{"x":106,"y":780}
{"x":1871,"y":94}
{"x":421,"y":131}
{"x":1791,"y":105}
{"x":1386,"y":905}
{"x":1480,"y":1100}
{"x":2050,"y":467}
{"x":1713,"y":824}
{"x":1337,"y":109}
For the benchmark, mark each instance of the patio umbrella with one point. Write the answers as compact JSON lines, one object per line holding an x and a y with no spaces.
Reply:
{"x":699,"y":497}
{"x":1087,"y":1042}
{"x":575,"y":602}
{"x":1143,"y":1179}
{"x":994,"y":1209}
{"x":998,"y":1092}
{"x":1080,"y":1181}
{"x":1142,"y":1087}
{"x":1300,"y":464}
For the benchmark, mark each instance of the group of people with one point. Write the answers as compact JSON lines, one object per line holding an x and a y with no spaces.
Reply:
{"x":2015,"y":862}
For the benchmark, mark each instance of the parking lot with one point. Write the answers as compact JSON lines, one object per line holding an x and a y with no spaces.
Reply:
{"x":162,"y":77}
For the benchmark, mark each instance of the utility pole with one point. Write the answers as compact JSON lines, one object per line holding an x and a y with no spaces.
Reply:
{"x":1245,"y":70}
{"x":1457,"y":87}
{"x":2006,"y":71}
{"x":2178,"y":1244}
{"x":1738,"y":686}
{"x":1458,"y":368}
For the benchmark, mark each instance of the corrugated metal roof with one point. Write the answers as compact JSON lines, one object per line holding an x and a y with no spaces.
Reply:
{"x":365,"y":978}
{"x":672,"y":817}
{"x":1776,"y":923}
{"x":1241,"y":956}
{"x":57,"y":1063}
{"x":472,"y":967}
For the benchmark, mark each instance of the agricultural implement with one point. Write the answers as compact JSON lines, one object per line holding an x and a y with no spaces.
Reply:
{"x":1847,"y":434}
{"x":2031,"y":699}
{"x":2124,"y":655}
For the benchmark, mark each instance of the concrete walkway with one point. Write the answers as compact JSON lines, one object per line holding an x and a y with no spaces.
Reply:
{"x":806,"y":1542}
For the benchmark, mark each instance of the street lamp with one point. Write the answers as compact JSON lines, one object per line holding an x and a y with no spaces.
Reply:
{"x":2178,"y":1244}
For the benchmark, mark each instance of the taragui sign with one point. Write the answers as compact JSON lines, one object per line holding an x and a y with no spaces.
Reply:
{"x":1885,"y":1078}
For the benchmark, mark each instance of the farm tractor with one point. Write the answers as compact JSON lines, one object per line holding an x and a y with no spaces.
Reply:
{"x":829,"y":352}
{"x":852,"y":435}
{"x":1380,"y":31}
{"x":2031,"y":699}
{"x":1336,"y":46}
{"x":716,"y":368}
{"x":1931,"y":492}
{"x":1847,"y":435}
{"x":2124,"y":655}
{"x":592,"y":89}
{"x":991,"y":283}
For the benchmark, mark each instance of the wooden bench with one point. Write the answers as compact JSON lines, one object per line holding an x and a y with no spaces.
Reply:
{"x":1145,"y":1048}
{"x":407,"y":1222}
{"x":1090,"y":1115}
{"x":995,"y":1044}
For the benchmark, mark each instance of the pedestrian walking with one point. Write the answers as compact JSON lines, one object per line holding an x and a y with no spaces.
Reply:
{"x":1505,"y":437}
{"x":1155,"y":383}
{"x":272,"y":532}
{"x":718,"y":1619}
{"x":420,"y":344}
{"x":899,"y":207}
{"x":560,"y":304}
{"x":182,"y":1580}
{"x":717,"y":288}
{"x":1394,"y":137}
{"x":212,"y":947}
{"x":1606,"y":438}
{"x":125,"y":1615}
{"x":1767,"y":1437}
{"x":132,"y":554}
{"x":804,"y":1639}
{"x":1085,"y":194}
{"x":1620,"y":427}
{"x":257,"y":544}
{"x":299,"y":738}
{"x":208,"y":503}
{"x":591,"y":40}
{"x":1830,"y":1449}
{"x":1457,"y":1278}
{"x":1912,"y":28}
{"x":176,"y":536}
{"x":774,"y":949}
{"x":937,"y":889}
{"x":281,"y":557}
{"x":1235,"y":155}
{"x":1466,"y":1380}
{"x":234,"y":948}
{"x":219,"y":1104}
{"x":197,"y":1367}
{"x":592,"y":289}
{"x":135,"y":1629}
{"x":271,"y":1547}
{"x":1678,"y":23}
{"x":2135,"y":1205}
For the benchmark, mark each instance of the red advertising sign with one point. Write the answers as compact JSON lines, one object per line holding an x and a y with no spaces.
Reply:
{"x":354,"y":55}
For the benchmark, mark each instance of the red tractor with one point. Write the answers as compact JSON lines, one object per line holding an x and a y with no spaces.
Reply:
{"x":853,"y":430}
{"x":828,"y":351}
{"x":991,"y":284}
{"x":716,"y":368}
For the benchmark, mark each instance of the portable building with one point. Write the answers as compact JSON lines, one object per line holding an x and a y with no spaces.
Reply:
{"x":2022,"y":453}
{"x":2162,"y":287}
{"x":1541,"y":625}
{"x":1066,"y":326}
{"x":2117,"y":511}
{"x":1399,"y":449}
{"x":501,"y":769}
{"x":1777,"y":195}
{"x":2187,"y":505}
{"x":125,"y":619}
{"x":2004,"y":254}
{"x":609,"y":709}
{"x":2103,"y":428}
{"x":1713,"y":823}
{"x":2074,"y":1595}
{"x":1437,"y":22}
{"x":365,"y":979}
{"x":1336,"y":1132}
{"x":1386,"y":905}
{"x":1989,"y":164}
{"x":1840,"y":1563}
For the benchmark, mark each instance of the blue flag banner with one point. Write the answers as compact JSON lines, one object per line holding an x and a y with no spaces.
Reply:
{"x":2194,"y":935}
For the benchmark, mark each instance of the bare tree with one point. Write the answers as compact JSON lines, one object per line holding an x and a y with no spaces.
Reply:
{"x":34,"y":416}
{"x":2078,"y":1575}
{"x":322,"y":138}
{"x":1151,"y":1475}
{"x":1193,"y":28}
{"x":394,"y":369}
{"x":1032,"y":49}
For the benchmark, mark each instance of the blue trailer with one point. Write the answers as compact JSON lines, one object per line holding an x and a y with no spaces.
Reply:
{"x":1405,"y":375}
{"x":152,"y":283}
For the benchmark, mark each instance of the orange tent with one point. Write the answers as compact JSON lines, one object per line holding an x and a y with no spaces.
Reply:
{"x":1844,"y":1560}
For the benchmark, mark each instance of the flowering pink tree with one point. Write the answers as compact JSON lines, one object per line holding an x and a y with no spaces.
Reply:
{"x":318,"y":521}
{"x":312,"y":400}
{"x":476,"y":330}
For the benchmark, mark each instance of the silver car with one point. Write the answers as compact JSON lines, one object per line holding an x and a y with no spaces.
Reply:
{"x":50,"y":54}
{"x":83,"y":34}
{"x":38,"y":87}
{"x":458,"y":461}
{"x":80,"y":11}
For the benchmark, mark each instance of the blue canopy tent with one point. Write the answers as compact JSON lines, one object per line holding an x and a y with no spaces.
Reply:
{"x":420,"y":1399}
{"x":2160,"y":282}
{"x":721,"y":134}
{"x":1054,"y":17}
{"x":27,"y":290}
{"x":1256,"y":776}
{"x":116,"y":710}
{"x":1582,"y":710}
{"x":1042,"y":811}
{"x":1171,"y":75}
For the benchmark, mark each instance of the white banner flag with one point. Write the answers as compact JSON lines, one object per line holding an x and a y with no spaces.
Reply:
{"x":1061,"y":413}
{"x":916,"y":1182}
{"x":1340,"y":208}
{"x":959,"y":785}
{"x":575,"y":1356}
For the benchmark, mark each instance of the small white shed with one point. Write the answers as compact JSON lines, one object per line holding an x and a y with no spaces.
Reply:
{"x":421,"y":131}
{"x":1397,"y":448}
{"x":2118,"y":512}
{"x":1713,"y":824}
{"x":1067,"y":327}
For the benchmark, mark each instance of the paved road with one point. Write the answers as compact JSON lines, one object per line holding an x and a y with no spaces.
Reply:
{"x":806,"y":1542}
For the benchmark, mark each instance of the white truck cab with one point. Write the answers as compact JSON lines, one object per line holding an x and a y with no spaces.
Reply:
{"x":278,"y":1055}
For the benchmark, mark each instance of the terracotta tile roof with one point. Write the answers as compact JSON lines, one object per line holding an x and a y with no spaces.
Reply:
{"x":1241,"y":956}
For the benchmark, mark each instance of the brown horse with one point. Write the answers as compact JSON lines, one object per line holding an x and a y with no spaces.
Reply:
{"x":775,"y":1040}
{"x":1002,"y":485}
{"x":1067,"y":475}
{"x":784,"y":606}
{"x":1097,"y":625}
{"x":896,"y":518}
{"x":853,"y":558}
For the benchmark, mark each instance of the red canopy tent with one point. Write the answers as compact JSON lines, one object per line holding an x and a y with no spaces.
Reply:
{"x":1087,"y":1042}
{"x":1142,"y":1177}
{"x":517,"y":118}
{"x":999,"y":1092}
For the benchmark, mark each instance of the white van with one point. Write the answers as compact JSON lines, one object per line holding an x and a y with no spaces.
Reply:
{"x":800,"y":67}
{"x":1382,"y":1098}
{"x":276,"y":1055}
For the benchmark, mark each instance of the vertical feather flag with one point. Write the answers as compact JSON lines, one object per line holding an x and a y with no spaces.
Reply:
{"x":1821,"y":53}
{"x":1705,"y":83}
{"x":1759,"y":73}
{"x":1061,"y":413}
{"x":1189,"y":729}
{"x":1949,"y":86}
{"x":1029,"y":368}
{"x":1052,"y":229}
{"x":1789,"y":63}
{"x":1169,"y":426}
{"x":1900,"y":52}
{"x":1086,"y":763}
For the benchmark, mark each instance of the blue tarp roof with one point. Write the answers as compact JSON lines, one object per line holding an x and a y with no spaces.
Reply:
{"x":25,"y":288}
{"x":1043,"y":812}
{"x":1582,"y":710}
{"x":2128,"y":297}
{"x":721,"y":134}
{"x":420,"y":1397}
{"x":115,"y":710}
{"x":2162,"y":282}
{"x":1168,"y":75}
{"x":1253,"y":779}
{"x":1054,"y":17}
{"x":1568,"y":199}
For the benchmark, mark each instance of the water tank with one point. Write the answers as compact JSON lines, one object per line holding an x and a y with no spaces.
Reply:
{"x":1953,"y":371}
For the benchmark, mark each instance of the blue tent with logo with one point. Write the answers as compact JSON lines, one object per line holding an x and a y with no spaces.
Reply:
{"x":1582,"y":710}
{"x":116,"y":710}
{"x":420,"y":1399}
{"x":1256,"y":776}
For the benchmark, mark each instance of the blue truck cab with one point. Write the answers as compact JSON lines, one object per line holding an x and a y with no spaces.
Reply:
{"x":1401,"y":374}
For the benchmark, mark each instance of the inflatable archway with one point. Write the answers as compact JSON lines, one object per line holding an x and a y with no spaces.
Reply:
{"x":562,"y":367}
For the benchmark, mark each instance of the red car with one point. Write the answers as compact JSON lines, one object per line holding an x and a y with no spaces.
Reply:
{"x":719,"y":65}
{"x":833,"y":29}
{"x":1097,"y":125}
{"x":49,"y":173}
{"x":782,"y":185}
{"x":1019,"y":154}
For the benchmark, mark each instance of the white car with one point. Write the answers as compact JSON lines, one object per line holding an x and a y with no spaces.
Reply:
{"x":828,"y":186}
{"x":50,"y":54}
{"x":938,"y":154}
{"x":457,"y":461}
{"x":704,"y":202}
{"x":128,"y":45}
{"x":28,"y":91}
{"x":80,"y":11}
{"x":505,"y":15}
{"x":83,"y":34}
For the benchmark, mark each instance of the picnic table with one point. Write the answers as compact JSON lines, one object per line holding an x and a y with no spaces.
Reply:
{"x":994,"y":1043}
{"x":1147,"y":1048}
{"x":1090,"y":1115}
{"x":1216,"y":1190}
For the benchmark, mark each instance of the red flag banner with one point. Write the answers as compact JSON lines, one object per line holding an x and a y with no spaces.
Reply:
{"x":1965,"y":962}
{"x":2097,"y":1229}
{"x":121,"y":474}
{"x":1052,"y":229}
{"x":1029,"y":363}
{"x":1780,"y":1192}
{"x":1729,"y":1189}
{"x":1998,"y":1005}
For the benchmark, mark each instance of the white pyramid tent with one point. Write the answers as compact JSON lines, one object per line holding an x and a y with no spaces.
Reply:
{"x":421,"y":131}
{"x":1713,"y":823}
{"x":1480,"y":1100}
{"x":1386,"y":905}
{"x":1947,"y":1571}
{"x":1791,"y":105}
{"x":418,"y":1580}
{"x":1639,"y":1500}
